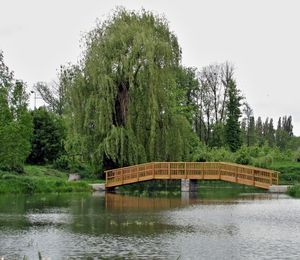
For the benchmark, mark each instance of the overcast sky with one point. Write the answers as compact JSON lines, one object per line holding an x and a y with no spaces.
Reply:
{"x":260,"y":37}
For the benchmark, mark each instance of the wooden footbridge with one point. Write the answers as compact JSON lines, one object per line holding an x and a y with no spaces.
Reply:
{"x":230,"y":172}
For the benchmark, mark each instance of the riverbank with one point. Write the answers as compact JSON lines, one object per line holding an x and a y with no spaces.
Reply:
{"x":45,"y":179}
{"x":40,"y":179}
{"x":289,"y":172}
{"x":289,"y":175}
{"x":294,"y":191}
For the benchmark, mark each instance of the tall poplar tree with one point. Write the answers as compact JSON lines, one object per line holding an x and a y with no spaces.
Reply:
{"x":271,"y":133}
{"x":251,"y":132}
{"x":259,"y":131}
{"x":232,"y":127}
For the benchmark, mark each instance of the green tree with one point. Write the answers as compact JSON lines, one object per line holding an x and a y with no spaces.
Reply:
{"x":259,"y":131}
{"x":248,"y":125}
{"x":284,"y":132}
{"x":15,"y":121}
{"x":287,"y":125}
{"x":48,"y":137}
{"x":251,"y":132}
{"x":244,"y":131}
{"x":266,"y":129}
{"x":210,"y":101}
{"x":187,"y":86}
{"x":123,"y":97}
{"x":232,"y":127}
{"x":217,"y":139}
{"x":271,"y":133}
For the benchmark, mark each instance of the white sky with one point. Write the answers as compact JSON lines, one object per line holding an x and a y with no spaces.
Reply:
{"x":261,"y":38}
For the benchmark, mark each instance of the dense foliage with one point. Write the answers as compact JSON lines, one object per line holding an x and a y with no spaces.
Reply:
{"x":48,"y":137}
{"x":130,"y":100}
{"x":15,"y":121}
{"x":123,"y":97}
{"x":232,"y":127}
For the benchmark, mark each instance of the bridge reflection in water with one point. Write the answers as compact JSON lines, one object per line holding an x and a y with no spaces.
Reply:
{"x":120,"y":202}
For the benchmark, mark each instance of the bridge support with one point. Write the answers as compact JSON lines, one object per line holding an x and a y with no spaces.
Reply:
{"x":110,"y":189}
{"x":187,"y":196}
{"x":188,"y":185}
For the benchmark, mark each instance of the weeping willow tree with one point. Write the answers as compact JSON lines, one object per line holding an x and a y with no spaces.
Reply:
{"x":123,"y":96}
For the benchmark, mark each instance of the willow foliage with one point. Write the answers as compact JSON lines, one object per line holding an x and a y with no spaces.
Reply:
{"x":123,"y":96}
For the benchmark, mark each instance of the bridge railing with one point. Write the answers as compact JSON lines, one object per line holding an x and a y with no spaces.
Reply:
{"x":231,"y":172}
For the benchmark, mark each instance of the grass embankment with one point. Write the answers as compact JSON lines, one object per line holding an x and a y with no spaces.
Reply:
{"x":294,"y":191}
{"x":40,"y":179}
{"x":289,"y":175}
{"x":44,"y":179}
{"x":289,"y":172}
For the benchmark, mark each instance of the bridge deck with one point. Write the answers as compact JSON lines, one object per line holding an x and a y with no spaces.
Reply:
{"x":230,"y":172}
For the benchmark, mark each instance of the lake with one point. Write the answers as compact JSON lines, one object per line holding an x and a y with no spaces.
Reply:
{"x":212,"y":224}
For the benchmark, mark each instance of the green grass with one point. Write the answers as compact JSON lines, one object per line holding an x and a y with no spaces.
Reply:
{"x":289,"y":175}
{"x":294,"y":191}
{"x":39,"y":179}
{"x":42,"y":171}
{"x":289,"y":171}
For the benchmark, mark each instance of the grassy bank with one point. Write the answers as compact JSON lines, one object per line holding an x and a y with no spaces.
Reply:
{"x":289,"y":172}
{"x":39,"y":179}
{"x":294,"y":191}
{"x":43,"y":179}
{"x":289,"y":175}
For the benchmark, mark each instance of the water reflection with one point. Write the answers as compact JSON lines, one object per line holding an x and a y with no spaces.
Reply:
{"x":128,"y":203}
{"x":212,"y":224}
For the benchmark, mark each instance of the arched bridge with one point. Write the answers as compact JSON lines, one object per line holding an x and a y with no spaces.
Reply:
{"x":230,"y":172}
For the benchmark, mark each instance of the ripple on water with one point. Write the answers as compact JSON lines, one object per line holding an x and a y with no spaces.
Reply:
{"x":242,"y":228}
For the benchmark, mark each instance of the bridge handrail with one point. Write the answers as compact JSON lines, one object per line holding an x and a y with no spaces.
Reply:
{"x":259,"y":176}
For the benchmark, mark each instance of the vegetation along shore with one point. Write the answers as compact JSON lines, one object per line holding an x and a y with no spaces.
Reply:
{"x":130,"y":100}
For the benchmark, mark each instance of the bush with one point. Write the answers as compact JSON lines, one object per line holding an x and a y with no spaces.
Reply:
{"x":62,"y":163}
{"x":255,"y":151}
{"x":14,"y":147}
{"x":221,"y":155}
{"x":297,"y":155}
{"x":243,"y":156}
{"x":48,"y":137}
{"x":16,"y":168}
{"x":263,"y":162}
{"x":202,"y":154}
{"x":294,"y":191}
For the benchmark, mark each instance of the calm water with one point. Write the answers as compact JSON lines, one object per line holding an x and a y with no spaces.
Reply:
{"x":213,"y":225}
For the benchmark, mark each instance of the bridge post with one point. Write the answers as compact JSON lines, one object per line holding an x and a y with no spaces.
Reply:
{"x":188,"y":185}
{"x":110,"y":189}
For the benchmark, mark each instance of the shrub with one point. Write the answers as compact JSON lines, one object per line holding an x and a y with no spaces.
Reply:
{"x":294,"y":191}
{"x":263,"y":162}
{"x":254,"y":151}
{"x":202,"y":154}
{"x":48,"y":137}
{"x":221,"y":155}
{"x":62,"y":163}
{"x":243,"y":156}
{"x":297,"y":155}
